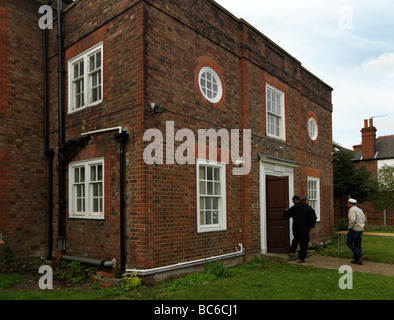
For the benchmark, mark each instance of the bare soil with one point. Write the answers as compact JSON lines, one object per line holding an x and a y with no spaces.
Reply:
{"x":63,"y":274}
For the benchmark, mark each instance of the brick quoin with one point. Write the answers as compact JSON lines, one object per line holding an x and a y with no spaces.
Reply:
{"x":152,"y":53}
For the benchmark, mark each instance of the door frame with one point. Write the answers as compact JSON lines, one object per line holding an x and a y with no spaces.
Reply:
{"x":272,"y":166}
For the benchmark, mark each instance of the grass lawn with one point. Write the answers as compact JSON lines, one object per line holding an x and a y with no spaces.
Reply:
{"x":376,"y":248}
{"x":276,"y":281}
{"x":259,"y":280}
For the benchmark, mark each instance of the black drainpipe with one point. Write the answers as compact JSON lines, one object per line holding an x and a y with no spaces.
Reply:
{"x":49,"y":153}
{"x":61,"y":164}
{"x":122,"y":139}
{"x":65,"y":148}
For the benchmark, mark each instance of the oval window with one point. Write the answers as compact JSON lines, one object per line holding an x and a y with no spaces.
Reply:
{"x":312,"y":129}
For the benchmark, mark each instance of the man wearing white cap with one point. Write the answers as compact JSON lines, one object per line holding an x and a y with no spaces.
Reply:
{"x":356,"y":223}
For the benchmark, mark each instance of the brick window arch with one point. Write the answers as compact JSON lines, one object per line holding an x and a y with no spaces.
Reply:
{"x":209,"y":82}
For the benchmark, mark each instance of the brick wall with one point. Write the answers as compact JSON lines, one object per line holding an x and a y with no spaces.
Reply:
{"x":119,"y":26}
{"x":188,"y":31}
{"x":152,"y":53}
{"x":23,"y":219}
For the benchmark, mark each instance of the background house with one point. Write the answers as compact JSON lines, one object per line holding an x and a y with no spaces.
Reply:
{"x":374,"y":152}
{"x":210,"y":70}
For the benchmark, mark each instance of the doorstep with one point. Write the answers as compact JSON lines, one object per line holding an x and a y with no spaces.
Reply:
{"x":277,"y":257}
{"x":284,"y":257}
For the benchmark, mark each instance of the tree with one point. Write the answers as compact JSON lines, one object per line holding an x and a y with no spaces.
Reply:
{"x":348,"y":179}
{"x":382,"y":189}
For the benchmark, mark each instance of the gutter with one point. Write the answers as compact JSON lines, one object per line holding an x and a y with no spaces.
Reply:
{"x":181,"y":265}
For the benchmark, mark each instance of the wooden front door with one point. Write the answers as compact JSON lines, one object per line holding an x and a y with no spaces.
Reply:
{"x":277,"y":198}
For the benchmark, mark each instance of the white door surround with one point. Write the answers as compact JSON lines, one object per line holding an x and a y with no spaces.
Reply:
{"x":273,"y":166}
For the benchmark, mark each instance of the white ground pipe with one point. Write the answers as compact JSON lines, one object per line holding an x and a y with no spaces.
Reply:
{"x":146,"y":272}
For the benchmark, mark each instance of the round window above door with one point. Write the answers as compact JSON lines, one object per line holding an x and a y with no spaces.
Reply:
{"x":210,"y":84}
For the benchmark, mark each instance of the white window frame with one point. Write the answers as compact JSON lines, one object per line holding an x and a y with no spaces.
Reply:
{"x":313,"y":129}
{"x":206,"y":86}
{"x":281,"y":135}
{"x":85,"y":79}
{"x":87,"y":185}
{"x":314,"y":195}
{"x":201,"y":196}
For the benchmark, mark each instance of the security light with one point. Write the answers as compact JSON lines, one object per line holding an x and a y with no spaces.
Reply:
{"x":336,"y":150}
{"x":157,"y":108}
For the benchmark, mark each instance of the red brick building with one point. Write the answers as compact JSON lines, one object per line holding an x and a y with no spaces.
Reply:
{"x":23,"y":169}
{"x":210,"y":70}
{"x":374,"y":152}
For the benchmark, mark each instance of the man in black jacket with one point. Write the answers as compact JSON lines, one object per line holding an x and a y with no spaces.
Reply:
{"x":304,"y":219}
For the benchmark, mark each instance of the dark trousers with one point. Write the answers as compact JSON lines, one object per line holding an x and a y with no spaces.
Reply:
{"x":301,"y":237}
{"x":353,"y":241}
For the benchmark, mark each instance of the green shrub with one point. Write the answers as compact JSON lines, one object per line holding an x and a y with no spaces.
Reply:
{"x":216,"y":268}
{"x":74,"y":272}
{"x":5,"y":253}
{"x":188,"y":281}
{"x":131,"y":282}
{"x":341,"y":225}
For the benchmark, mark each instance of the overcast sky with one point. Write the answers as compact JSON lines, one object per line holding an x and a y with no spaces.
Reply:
{"x":347,"y":44}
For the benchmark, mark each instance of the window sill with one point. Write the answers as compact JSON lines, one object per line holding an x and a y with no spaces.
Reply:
{"x":83,"y":108}
{"x":275,"y":137}
{"x":100,"y":218}
{"x":210,"y":229}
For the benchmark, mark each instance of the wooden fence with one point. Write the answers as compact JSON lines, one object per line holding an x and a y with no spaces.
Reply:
{"x":374,"y":217}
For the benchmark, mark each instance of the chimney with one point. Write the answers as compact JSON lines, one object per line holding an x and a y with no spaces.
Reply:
{"x":357,"y":148}
{"x":368,"y":144}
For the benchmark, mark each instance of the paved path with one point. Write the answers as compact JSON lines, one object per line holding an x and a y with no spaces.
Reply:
{"x":320,"y":261}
